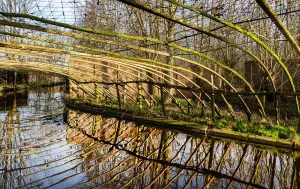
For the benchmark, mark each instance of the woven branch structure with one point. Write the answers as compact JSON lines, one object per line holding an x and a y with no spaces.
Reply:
{"x":119,"y":63}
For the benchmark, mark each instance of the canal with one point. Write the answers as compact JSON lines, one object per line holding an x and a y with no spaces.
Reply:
{"x":44,"y":144}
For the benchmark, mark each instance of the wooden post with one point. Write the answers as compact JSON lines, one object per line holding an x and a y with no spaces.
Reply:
{"x":211,"y":154}
{"x":276,"y":107}
{"x":212,"y":100}
{"x":264,"y":100}
{"x":96,"y":88}
{"x":97,"y":97}
{"x":212,"y":105}
{"x":140,"y":96}
{"x":15,"y":79}
{"x":118,"y":95}
{"x":67,"y":83}
{"x":162,"y":100}
{"x":202,"y":106}
{"x":151,"y":102}
{"x":124,"y":94}
{"x":202,"y":110}
{"x":298,"y":126}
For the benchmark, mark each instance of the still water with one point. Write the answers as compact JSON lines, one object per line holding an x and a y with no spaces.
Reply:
{"x":45,"y":145}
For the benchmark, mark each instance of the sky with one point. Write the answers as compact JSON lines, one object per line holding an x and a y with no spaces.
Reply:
{"x":67,"y":11}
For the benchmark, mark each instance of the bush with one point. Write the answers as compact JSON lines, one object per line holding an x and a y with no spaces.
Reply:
{"x":241,"y":127}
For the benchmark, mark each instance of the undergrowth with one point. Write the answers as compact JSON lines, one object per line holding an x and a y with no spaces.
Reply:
{"x":282,"y":131}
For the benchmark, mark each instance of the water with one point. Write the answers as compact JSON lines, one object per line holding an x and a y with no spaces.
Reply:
{"x":44,"y":145}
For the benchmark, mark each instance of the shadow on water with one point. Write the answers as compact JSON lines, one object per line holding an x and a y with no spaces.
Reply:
{"x":44,"y":147}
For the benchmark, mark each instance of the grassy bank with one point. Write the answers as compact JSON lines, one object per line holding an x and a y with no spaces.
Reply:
{"x":282,"y":131}
{"x":262,"y":129}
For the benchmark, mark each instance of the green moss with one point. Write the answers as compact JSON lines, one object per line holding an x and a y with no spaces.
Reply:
{"x":269,"y":133}
{"x":221,"y":123}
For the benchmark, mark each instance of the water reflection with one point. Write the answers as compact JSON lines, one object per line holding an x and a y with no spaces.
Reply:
{"x":8,"y":101}
{"x":145,"y":157}
{"x":90,"y":151}
{"x":27,"y":129}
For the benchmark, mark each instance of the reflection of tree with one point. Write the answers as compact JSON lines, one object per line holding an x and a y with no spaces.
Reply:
{"x":110,"y":153}
{"x":164,"y":159}
{"x":23,"y":137}
{"x":297,"y":172}
{"x":11,"y":130}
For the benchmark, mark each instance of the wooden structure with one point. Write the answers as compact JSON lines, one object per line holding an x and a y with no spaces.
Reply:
{"x":136,"y":68}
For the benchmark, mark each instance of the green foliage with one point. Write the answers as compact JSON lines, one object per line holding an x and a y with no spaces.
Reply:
{"x":221,"y":123}
{"x":257,"y":128}
{"x":241,"y":127}
{"x":279,"y":131}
